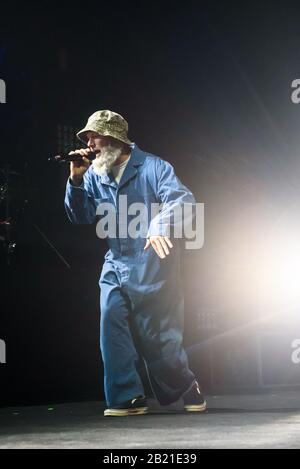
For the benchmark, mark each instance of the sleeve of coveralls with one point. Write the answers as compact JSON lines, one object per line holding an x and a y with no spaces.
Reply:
{"x":178,"y":203}
{"x":79,"y":202}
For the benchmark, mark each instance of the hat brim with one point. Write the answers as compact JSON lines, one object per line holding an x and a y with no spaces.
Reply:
{"x":81,"y":135}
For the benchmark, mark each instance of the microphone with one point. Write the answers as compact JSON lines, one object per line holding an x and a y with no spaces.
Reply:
{"x":64,"y":158}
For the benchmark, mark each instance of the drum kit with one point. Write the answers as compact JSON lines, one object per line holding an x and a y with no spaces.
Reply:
{"x":12,"y":204}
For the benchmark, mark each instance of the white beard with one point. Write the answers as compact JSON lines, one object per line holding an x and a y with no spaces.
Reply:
{"x":105,"y":159}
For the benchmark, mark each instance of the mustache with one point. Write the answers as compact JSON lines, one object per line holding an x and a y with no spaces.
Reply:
{"x":105,"y":159}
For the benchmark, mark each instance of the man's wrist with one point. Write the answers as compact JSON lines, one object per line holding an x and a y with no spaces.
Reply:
{"x":75,"y":181}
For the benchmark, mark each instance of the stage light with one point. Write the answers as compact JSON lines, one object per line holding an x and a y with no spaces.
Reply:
{"x":255,"y":271}
{"x":278,"y":273}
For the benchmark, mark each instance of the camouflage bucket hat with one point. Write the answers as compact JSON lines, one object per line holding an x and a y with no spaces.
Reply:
{"x":106,"y":123}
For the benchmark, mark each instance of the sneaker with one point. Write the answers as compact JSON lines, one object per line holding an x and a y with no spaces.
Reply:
{"x":194,"y":400}
{"x":137,"y":406}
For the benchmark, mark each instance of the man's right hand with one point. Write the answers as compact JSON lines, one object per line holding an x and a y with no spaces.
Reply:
{"x":78,"y":168}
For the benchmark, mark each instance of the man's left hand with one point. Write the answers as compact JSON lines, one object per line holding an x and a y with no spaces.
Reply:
{"x":160,"y":244}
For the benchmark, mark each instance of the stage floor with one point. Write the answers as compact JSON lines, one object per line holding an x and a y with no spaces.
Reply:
{"x":269,"y":420}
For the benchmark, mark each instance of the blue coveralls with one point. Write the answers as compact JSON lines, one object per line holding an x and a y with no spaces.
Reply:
{"x":141,"y":294}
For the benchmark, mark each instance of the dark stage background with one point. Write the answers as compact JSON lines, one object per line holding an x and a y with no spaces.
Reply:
{"x":204,"y":85}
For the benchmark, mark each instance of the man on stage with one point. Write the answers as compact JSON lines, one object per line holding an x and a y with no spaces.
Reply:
{"x":141,"y":291}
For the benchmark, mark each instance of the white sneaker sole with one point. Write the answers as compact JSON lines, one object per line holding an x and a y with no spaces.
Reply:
{"x":126,"y":412}
{"x":195,"y":408}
